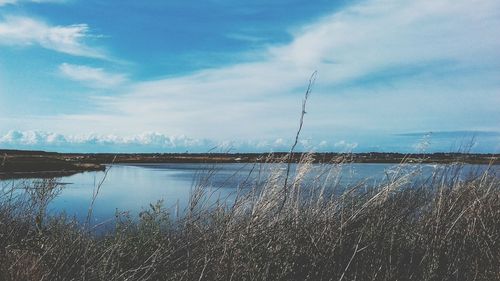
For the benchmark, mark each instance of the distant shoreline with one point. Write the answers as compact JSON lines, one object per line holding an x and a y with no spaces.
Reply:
{"x":34,"y":164}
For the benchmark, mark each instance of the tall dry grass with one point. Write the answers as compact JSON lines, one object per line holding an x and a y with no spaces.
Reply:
{"x":445,"y":227}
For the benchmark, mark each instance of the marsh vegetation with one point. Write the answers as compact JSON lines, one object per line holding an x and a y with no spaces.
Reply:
{"x":443,"y":227}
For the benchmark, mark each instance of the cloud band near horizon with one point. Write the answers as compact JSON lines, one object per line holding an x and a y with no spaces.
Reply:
{"x":150,"y":142}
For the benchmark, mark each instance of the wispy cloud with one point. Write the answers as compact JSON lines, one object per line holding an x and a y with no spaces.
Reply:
{"x":245,"y":37}
{"x":345,"y":146}
{"x":6,"y":2}
{"x":25,"y":31}
{"x":439,"y":62}
{"x":385,"y":66}
{"x":452,"y":134}
{"x":90,"y":76}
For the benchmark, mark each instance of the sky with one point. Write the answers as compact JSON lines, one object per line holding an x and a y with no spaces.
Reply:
{"x":221,"y":75}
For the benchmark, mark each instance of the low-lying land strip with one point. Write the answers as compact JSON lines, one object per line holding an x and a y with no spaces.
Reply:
{"x":19,"y":163}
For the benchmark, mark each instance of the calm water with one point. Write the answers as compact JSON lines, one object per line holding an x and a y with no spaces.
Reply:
{"x":134,"y":187}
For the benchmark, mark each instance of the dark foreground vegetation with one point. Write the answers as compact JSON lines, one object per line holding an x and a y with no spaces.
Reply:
{"x":25,"y":164}
{"x":445,"y":227}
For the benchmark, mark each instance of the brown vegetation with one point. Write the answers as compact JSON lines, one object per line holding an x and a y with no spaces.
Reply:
{"x":443,"y":228}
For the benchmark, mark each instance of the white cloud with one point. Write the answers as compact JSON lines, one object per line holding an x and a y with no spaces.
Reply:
{"x":245,"y":37}
{"x":6,"y":2}
{"x":31,"y":138}
{"x":345,"y":146}
{"x":144,"y":142}
{"x":160,"y":142}
{"x":24,"y":31}
{"x":404,"y":40}
{"x":41,"y":138}
{"x":93,"y":77}
{"x":385,"y":66}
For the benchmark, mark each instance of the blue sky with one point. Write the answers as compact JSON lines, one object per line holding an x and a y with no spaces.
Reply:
{"x":170,"y":76}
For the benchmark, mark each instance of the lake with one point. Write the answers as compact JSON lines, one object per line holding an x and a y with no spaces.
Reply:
{"x":133,"y":187}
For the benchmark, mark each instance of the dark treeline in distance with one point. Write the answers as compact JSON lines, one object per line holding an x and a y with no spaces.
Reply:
{"x":21,"y":163}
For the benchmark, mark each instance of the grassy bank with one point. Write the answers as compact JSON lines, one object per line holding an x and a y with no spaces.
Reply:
{"x":443,"y":228}
{"x":36,"y":164}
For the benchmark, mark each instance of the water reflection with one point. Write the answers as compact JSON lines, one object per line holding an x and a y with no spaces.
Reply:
{"x":133,"y":187}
